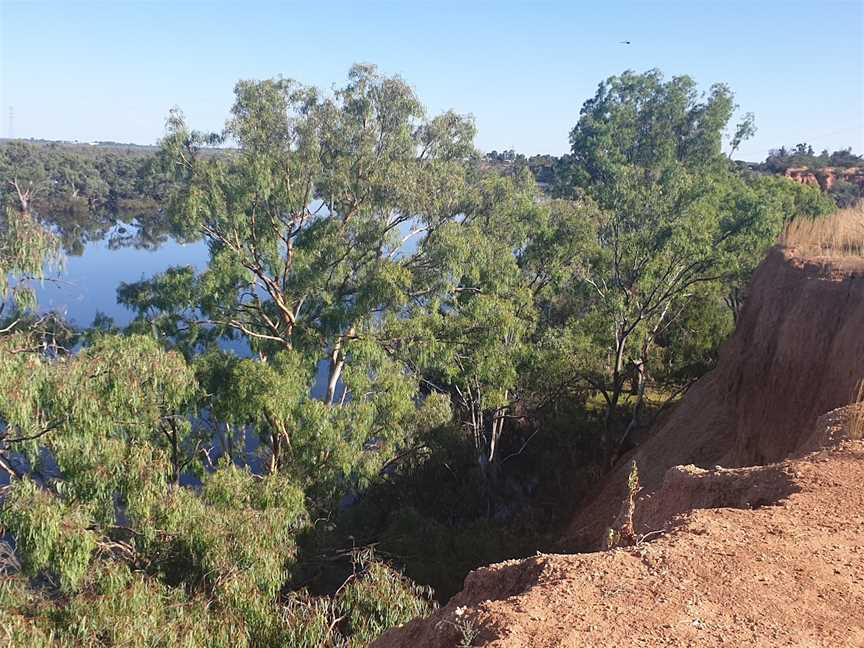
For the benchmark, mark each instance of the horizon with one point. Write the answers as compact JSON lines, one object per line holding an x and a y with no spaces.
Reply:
{"x":118,"y":69}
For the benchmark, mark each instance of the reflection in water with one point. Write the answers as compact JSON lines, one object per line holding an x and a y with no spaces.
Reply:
{"x":104,"y":249}
{"x":139,"y":224}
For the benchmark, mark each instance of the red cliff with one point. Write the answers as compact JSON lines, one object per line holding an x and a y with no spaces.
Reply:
{"x":825,"y":177}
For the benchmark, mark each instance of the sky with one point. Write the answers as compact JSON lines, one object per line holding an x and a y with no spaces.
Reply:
{"x":112,"y":70}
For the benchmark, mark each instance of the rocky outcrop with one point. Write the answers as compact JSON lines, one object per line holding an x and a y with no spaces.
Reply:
{"x":825,"y":177}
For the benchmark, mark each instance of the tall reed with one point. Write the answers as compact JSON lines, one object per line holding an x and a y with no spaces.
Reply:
{"x":838,"y":235}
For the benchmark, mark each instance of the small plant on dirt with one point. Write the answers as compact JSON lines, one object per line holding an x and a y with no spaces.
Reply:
{"x":622,"y":533}
{"x":465,"y":626}
{"x":856,"y":422}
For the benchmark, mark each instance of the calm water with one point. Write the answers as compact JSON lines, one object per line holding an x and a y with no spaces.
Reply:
{"x":88,"y":283}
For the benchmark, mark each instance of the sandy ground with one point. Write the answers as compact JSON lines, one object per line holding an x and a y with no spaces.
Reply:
{"x":790,"y":573}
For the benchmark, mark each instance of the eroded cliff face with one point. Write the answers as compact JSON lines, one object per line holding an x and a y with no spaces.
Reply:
{"x":798,"y":352}
{"x":748,"y":546}
{"x":825,"y":178}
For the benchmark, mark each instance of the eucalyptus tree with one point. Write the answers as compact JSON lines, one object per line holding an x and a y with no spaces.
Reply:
{"x":464,"y":330}
{"x":27,"y":251}
{"x":316,"y":221}
{"x":309,"y":217}
{"x":25,"y":245}
{"x":26,"y":248}
{"x":674,"y":217}
{"x":25,"y":174}
{"x":492,"y":282}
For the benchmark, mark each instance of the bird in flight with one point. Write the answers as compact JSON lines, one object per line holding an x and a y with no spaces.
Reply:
{"x":625,"y":42}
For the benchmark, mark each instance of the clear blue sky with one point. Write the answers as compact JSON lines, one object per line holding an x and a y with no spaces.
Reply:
{"x":112,"y":70}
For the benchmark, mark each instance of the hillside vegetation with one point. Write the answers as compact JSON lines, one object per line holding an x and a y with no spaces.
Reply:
{"x":440,"y":360}
{"x":743,"y":520}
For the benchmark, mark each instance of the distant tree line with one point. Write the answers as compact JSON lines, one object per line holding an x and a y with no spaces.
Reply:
{"x":550,"y":171}
{"x":840,"y":174}
{"x":53,"y":173}
{"x":803,"y":155}
{"x":80,"y":192}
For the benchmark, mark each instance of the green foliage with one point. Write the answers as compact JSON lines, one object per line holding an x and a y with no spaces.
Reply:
{"x":640,"y":120}
{"x":121,"y":607}
{"x":209,"y":565}
{"x":25,"y":248}
{"x":790,"y":199}
{"x":744,"y":130}
{"x":110,"y":408}
{"x":376,"y":599}
{"x":235,"y":550}
{"x":51,"y":537}
{"x":437,"y":355}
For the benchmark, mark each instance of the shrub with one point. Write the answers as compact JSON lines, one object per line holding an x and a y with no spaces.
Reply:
{"x":378,"y":598}
{"x":52,"y":538}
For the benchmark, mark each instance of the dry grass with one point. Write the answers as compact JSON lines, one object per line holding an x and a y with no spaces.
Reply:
{"x":838,"y":235}
{"x":856,"y":422}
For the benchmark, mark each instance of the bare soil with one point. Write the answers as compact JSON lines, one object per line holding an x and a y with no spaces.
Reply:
{"x":790,"y":573}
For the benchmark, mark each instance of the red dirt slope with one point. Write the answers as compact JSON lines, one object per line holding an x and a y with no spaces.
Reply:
{"x":791,"y":574}
{"x":781,"y":564}
{"x":797,"y":353}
